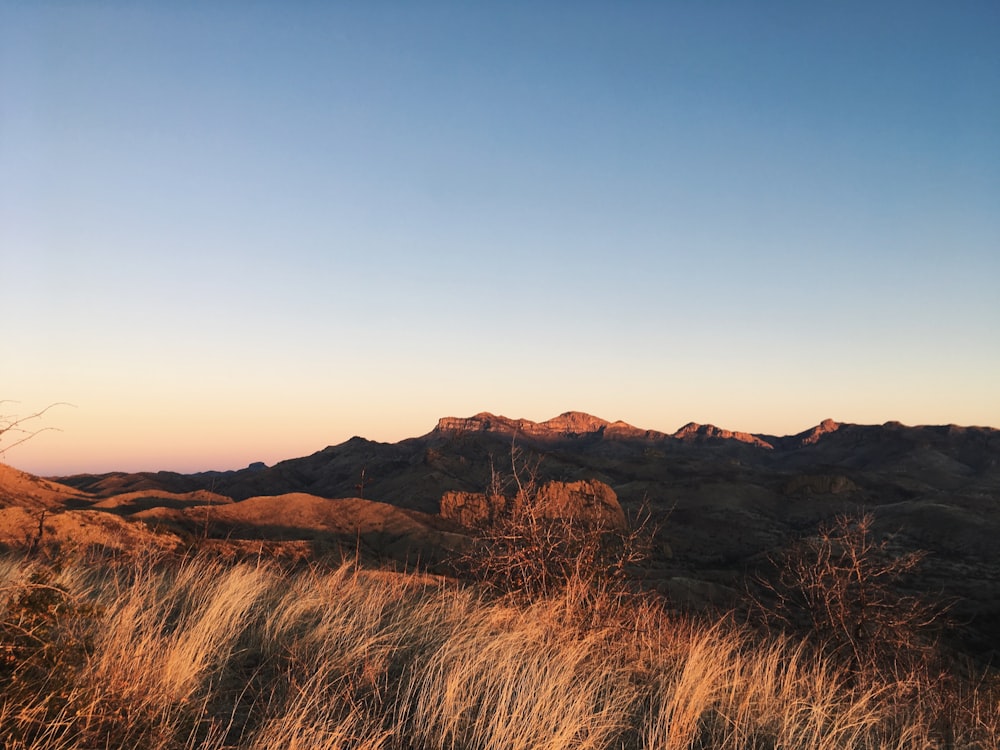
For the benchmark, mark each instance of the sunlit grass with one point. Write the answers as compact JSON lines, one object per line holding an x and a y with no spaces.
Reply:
{"x":206,"y":654}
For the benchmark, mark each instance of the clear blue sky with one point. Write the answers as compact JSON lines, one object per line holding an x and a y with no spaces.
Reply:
{"x":243,"y":231}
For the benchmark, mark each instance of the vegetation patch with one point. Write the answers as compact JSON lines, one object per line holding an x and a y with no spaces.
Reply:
{"x":200,"y":652}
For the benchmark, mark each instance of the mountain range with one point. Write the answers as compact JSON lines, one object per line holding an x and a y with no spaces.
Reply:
{"x":942,"y":457}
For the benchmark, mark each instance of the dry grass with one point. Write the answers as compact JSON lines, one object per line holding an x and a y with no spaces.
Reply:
{"x":205,"y":654}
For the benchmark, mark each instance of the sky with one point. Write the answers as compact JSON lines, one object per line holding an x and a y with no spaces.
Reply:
{"x":235,"y":232}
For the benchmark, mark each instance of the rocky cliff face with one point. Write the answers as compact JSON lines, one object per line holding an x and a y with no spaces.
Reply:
{"x":814,"y":435}
{"x":590,"y":502}
{"x":625,"y":431}
{"x":483,"y":422}
{"x":472,"y":509}
{"x":569,"y":425}
{"x":574,"y":425}
{"x":694,"y":432}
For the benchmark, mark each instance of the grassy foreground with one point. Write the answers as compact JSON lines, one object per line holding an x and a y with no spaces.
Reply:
{"x":201,"y":653}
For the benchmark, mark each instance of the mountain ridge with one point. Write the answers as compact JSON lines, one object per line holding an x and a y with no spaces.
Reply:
{"x":577,"y":424}
{"x":572,"y":428}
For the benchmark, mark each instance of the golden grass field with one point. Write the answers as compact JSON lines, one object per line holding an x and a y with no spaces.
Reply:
{"x":198,"y":652}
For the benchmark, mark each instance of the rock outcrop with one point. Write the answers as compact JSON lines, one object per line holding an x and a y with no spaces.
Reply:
{"x":472,"y":509}
{"x":823,"y":428}
{"x":589,"y":502}
{"x":694,"y":432}
{"x":567,"y":426}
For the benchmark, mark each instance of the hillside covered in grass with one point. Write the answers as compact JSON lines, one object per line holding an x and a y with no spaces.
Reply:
{"x":201,"y":653}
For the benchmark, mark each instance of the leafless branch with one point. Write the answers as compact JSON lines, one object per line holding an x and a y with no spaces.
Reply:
{"x":13,"y":425}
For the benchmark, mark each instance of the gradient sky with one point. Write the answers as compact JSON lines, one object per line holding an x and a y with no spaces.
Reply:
{"x":233,"y":232}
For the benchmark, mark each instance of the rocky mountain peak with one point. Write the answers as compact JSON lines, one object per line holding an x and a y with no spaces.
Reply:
{"x":481,"y":422}
{"x":694,"y":432}
{"x":575,"y":422}
{"x":811,"y":437}
{"x":568,"y":424}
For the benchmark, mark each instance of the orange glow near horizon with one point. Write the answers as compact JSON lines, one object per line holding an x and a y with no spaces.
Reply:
{"x":232,"y":439}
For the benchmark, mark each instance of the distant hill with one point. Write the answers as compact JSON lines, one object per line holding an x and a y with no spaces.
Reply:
{"x":880,"y":462}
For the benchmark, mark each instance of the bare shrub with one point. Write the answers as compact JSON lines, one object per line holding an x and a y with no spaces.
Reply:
{"x":842,"y":589}
{"x":525,"y":548}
